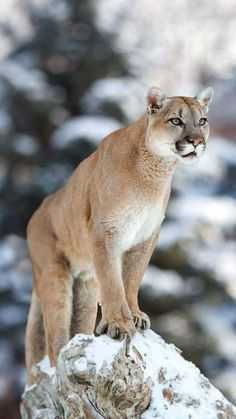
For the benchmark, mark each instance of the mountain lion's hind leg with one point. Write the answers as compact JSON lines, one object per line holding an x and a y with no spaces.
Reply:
{"x":85,"y":299}
{"x":55,"y":293}
{"x":35,"y":340}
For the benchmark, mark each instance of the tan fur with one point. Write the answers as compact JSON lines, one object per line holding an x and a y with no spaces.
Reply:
{"x":92,"y":240}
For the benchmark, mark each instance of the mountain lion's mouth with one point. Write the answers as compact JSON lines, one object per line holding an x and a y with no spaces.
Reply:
{"x":192,"y":153}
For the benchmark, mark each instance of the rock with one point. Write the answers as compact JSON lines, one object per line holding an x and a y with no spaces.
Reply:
{"x":142,"y":378}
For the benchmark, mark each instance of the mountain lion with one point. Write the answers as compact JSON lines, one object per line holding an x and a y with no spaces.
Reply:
{"x":92,"y":240}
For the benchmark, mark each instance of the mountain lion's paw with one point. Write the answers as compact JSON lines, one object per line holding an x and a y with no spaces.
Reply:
{"x":117,"y":328}
{"x":141,"y":320}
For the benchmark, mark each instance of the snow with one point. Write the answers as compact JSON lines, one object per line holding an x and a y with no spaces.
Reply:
{"x":25,"y":145}
{"x":175,"y":232}
{"x":179,"y":390}
{"x":158,"y":282}
{"x":205,"y":176}
{"x":125,"y":91}
{"x":218,"y":210}
{"x":219,"y":321}
{"x":202,"y":177}
{"x":227,"y":377}
{"x":80,"y":364}
{"x":218,"y":260}
{"x":31,"y":82}
{"x":12,"y":248}
{"x":91,"y":128}
{"x":21,"y":78}
{"x":45,"y":367}
{"x":156,"y":45}
{"x":225,"y":150}
{"x":98,"y":348}
{"x":7,"y":255}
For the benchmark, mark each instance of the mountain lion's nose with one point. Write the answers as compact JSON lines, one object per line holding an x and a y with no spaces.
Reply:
{"x":195,"y":141}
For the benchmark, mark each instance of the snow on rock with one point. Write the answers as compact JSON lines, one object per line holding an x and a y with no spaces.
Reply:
{"x":146,"y":378}
{"x":90,"y":128}
{"x":226,"y":378}
{"x":45,"y":367}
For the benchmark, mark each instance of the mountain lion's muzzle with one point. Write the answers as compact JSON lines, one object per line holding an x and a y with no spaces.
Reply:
{"x":191,"y":146}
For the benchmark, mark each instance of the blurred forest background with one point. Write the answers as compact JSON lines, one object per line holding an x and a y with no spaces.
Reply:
{"x":72,"y":71}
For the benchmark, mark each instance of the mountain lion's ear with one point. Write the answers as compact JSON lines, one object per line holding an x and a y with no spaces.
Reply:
{"x":155,"y":100}
{"x":205,"y":97}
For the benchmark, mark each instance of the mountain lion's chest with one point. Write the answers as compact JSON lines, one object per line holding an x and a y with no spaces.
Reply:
{"x":138,"y":224}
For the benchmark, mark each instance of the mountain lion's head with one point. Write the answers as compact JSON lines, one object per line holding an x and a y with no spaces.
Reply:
{"x":178,"y":126}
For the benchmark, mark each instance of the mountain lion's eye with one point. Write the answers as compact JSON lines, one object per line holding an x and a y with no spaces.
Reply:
{"x":176,"y":121}
{"x":202,"y":121}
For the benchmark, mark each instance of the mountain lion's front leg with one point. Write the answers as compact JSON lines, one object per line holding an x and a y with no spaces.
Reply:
{"x":135,"y":262}
{"x":116,"y":316}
